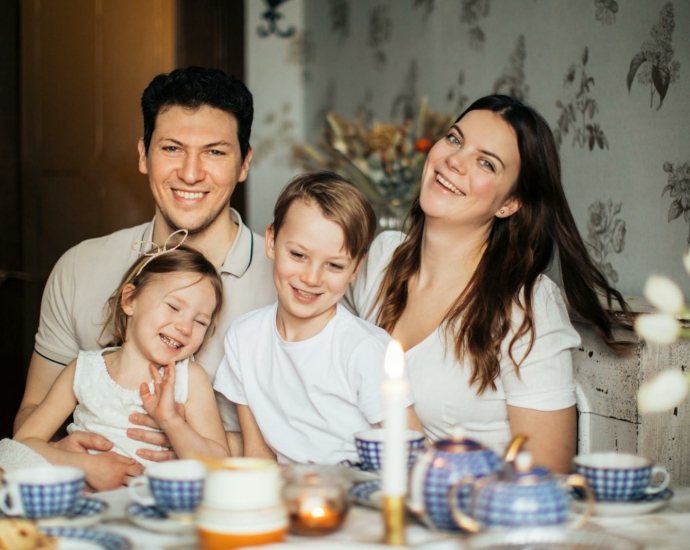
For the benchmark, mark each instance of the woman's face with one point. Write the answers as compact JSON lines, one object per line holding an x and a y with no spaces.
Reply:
{"x":469,"y":174}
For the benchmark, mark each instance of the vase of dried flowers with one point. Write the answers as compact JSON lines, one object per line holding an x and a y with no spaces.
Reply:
{"x":384,"y":160}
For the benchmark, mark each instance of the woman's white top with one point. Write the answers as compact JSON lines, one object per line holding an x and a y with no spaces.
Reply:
{"x":104,"y":406}
{"x":444,"y":397}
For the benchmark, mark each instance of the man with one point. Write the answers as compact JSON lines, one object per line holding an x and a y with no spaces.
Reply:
{"x":195,"y":150}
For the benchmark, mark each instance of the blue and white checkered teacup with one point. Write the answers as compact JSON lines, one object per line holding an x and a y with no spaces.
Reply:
{"x":42,"y":492}
{"x":369,"y":445}
{"x":173,"y":487}
{"x":620,"y":476}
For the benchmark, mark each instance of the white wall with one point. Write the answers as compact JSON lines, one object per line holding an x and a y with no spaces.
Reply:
{"x":275,"y":78}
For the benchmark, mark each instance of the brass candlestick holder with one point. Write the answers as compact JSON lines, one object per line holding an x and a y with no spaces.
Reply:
{"x":394,"y":521}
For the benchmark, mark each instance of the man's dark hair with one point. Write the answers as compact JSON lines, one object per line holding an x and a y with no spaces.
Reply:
{"x":195,"y":87}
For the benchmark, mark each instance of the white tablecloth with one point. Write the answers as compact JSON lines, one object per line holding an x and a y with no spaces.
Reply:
{"x":669,"y":528}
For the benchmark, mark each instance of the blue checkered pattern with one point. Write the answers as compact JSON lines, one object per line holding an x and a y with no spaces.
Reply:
{"x":107,"y":541}
{"x":363,"y":491}
{"x":613,"y":484}
{"x":501,"y":504}
{"x":86,"y":507}
{"x":56,"y":499}
{"x":176,"y":495}
{"x":148,"y":512}
{"x":371,"y":453}
{"x":446,"y":469}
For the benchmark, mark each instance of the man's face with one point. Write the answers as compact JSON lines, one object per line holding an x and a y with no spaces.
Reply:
{"x":193,"y":164}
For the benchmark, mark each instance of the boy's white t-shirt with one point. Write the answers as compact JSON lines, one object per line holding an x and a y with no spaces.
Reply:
{"x":309,"y":398}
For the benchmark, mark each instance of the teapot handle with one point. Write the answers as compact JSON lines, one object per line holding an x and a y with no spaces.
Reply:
{"x":576,"y":480}
{"x":461,"y":519}
{"x":514,"y":447}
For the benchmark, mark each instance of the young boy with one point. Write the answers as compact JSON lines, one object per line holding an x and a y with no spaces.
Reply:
{"x":305,"y":373}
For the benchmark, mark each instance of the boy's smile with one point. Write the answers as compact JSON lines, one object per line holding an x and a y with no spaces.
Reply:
{"x":311,"y":271}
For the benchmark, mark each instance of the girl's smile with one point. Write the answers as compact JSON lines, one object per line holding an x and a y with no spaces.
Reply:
{"x":169,"y":318}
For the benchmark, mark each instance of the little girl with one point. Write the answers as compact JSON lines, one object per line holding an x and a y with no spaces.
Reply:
{"x":162,"y":313}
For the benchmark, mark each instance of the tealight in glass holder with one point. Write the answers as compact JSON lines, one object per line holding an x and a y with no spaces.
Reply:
{"x":316,"y":499}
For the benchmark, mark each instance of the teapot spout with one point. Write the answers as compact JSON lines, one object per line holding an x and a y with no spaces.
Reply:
{"x":514,"y":448}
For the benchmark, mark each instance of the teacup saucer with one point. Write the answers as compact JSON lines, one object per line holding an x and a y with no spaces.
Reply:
{"x":82,"y":539}
{"x":645,"y":505}
{"x":152,"y":519}
{"x":359,"y":472}
{"x":367,"y":493}
{"x":87,"y":512}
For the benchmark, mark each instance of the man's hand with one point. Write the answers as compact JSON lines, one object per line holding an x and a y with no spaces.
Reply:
{"x":81,"y":442}
{"x":152,"y":437}
{"x":107,"y":471}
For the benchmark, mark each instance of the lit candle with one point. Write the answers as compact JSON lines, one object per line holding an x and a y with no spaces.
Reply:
{"x":395,"y":388}
{"x":315,"y":515}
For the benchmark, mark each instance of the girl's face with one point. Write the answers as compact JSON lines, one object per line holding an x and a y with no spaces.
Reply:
{"x":169,"y":318}
{"x":469,"y":174}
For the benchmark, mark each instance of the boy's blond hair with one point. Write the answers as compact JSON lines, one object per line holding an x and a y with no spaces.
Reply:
{"x":339,"y":200}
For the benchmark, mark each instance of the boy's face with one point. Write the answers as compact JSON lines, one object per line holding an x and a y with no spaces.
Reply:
{"x":311,"y":269}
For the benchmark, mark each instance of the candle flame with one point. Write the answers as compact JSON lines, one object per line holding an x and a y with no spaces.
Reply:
{"x":394,"y":364}
{"x":318,"y":512}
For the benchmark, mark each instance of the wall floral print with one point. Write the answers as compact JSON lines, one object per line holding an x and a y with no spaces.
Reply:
{"x":455,"y":95}
{"x":606,"y":11}
{"x":339,"y":13}
{"x":472,"y":12}
{"x":678,"y":186}
{"x":380,"y":32}
{"x":426,"y":5}
{"x":512,"y":81}
{"x":405,"y":103}
{"x":606,"y":234}
{"x":654,"y":64}
{"x":578,"y":114}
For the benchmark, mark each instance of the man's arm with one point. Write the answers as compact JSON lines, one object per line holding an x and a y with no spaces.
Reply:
{"x":42,"y":374}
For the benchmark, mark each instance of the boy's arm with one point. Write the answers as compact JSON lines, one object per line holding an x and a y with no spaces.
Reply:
{"x":201,"y":432}
{"x":252,"y":438}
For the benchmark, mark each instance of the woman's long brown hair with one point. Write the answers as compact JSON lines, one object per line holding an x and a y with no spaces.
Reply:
{"x":518,"y":250}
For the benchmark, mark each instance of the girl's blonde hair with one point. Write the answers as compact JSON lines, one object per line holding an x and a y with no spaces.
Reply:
{"x":144,"y":271}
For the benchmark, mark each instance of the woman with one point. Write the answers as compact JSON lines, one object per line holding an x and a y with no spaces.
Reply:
{"x":487,"y":336}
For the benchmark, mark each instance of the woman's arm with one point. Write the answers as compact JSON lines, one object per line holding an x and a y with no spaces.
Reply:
{"x":201,"y":432}
{"x":551,"y":435}
{"x":252,"y":438}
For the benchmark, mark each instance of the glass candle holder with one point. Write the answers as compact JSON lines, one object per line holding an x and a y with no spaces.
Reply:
{"x":316,"y":499}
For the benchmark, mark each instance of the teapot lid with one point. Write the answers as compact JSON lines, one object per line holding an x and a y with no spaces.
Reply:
{"x":458,"y":443}
{"x":524,"y":472}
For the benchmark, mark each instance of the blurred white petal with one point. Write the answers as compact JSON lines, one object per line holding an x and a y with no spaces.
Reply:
{"x":659,"y":328}
{"x":686,"y":262}
{"x":664,"y":392}
{"x":664,"y":294}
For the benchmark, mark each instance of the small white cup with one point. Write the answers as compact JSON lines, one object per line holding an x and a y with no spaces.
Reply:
{"x":243,"y":484}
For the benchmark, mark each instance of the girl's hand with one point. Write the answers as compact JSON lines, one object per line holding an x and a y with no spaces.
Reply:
{"x":161,"y":405}
{"x":110,"y":470}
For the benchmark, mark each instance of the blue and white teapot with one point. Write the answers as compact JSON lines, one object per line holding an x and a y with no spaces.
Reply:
{"x":444,"y":465}
{"x":521,"y":496}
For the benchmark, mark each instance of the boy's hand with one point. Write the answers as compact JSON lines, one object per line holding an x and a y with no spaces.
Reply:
{"x":110,"y":470}
{"x":161,"y":405}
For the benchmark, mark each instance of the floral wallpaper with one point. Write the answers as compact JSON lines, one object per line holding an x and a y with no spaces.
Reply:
{"x":609,"y":76}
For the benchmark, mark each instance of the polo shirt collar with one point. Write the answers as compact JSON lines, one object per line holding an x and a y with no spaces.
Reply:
{"x":239,"y":256}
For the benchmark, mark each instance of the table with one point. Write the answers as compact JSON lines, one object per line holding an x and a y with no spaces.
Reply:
{"x":666,"y":529}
